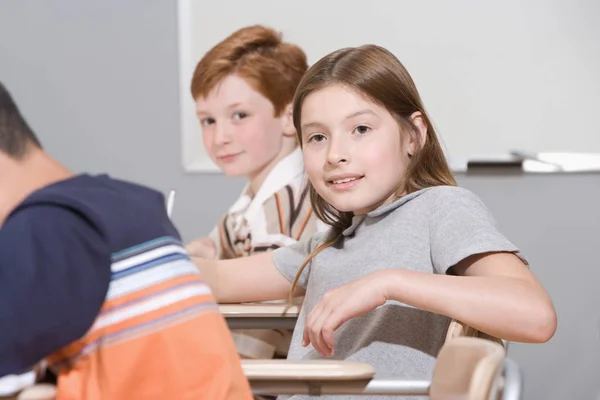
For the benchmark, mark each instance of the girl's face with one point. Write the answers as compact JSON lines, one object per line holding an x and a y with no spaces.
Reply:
{"x":354,"y":152}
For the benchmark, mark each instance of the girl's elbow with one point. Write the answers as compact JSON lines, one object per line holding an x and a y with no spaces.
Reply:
{"x":544,"y":324}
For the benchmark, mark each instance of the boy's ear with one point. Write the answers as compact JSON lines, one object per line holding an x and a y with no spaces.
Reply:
{"x":417,"y":141}
{"x":287,"y":121}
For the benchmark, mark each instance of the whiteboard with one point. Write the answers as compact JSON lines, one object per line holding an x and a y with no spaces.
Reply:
{"x":494,"y":76}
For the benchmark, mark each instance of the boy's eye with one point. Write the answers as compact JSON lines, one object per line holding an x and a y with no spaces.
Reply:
{"x":207,"y":121}
{"x":316,"y":138}
{"x":239,"y":115}
{"x":361,"y":130}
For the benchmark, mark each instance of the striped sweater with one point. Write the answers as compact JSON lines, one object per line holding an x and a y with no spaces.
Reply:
{"x":113,"y":302}
{"x":278,"y":215}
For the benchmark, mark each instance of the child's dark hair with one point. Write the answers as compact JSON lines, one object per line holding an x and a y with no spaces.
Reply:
{"x":16,"y":138}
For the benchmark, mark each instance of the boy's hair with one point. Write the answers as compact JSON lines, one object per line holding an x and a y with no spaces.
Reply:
{"x":257,"y":54}
{"x":375,"y":73}
{"x":16,"y":138}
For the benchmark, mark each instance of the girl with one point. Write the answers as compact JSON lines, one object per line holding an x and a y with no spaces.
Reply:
{"x":407,"y":249}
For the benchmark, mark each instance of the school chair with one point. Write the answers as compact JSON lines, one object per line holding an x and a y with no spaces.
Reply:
{"x":467,"y":368}
{"x":260,"y":315}
{"x":40,"y":391}
{"x":459,"y":329}
{"x":284,"y":316}
{"x":25,"y":387}
{"x":280,"y":316}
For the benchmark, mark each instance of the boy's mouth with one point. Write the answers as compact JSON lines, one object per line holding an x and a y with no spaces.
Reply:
{"x":229,"y":157}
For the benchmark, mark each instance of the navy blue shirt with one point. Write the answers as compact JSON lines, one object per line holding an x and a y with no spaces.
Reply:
{"x":55,"y":260}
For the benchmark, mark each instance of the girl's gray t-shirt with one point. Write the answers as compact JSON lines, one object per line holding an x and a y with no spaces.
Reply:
{"x":429,"y":231}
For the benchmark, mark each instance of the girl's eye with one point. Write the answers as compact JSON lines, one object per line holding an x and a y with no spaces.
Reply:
{"x":207,"y":121}
{"x":361,"y":130}
{"x":239,"y":116}
{"x":316,"y":138}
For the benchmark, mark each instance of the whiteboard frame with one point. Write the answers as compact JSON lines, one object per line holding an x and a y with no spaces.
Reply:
{"x":194,"y":157}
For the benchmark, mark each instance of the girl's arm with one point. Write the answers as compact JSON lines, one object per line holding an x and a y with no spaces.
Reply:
{"x":494,"y":292}
{"x":203,"y":247}
{"x":245,"y":279}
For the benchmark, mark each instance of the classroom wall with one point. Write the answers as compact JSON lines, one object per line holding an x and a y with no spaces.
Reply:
{"x":98,"y":82}
{"x":496,"y":75}
{"x":555,"y":220}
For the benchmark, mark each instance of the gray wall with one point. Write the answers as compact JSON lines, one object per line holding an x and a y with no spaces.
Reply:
{"x":98,"y":82}
{"x":555,"y":220}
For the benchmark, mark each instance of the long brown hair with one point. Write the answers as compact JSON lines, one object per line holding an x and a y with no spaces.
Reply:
{"x":374,"y":72}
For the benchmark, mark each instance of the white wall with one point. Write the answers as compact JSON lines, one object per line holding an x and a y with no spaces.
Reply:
{"x":495,"y":76}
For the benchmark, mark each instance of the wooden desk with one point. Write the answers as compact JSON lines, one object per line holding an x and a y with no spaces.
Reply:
{"x":320,"y":377}
{"x":260,"y":315}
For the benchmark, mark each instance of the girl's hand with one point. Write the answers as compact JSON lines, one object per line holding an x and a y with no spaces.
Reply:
{"x":202,"y":247}
{"x":339,"y":305}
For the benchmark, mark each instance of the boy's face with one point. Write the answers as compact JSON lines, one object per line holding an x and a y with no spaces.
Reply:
{"x":240,"y":131}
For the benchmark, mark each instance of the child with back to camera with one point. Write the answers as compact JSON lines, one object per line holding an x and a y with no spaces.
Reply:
{"x":407,"y":250}
{"x":95,"y":283}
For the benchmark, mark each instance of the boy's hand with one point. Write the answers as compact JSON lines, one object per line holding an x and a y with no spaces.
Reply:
{"x":202,"y":247}
{"x":337,"y":306}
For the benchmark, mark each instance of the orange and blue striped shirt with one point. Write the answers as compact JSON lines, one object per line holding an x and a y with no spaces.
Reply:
{"x":94,"y":279}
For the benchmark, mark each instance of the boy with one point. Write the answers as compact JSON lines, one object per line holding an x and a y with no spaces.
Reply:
{"x":94,"y":281}
{"x":243,"y":89}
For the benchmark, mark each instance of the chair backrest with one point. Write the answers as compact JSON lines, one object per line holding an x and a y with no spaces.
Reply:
{"x":40,"y":391}
{"x":467,"y":368}
{"x":459,"y":329}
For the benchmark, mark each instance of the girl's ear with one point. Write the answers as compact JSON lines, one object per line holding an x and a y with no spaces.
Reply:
{"x":287,"y":121}
{"x":417,"y":141}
